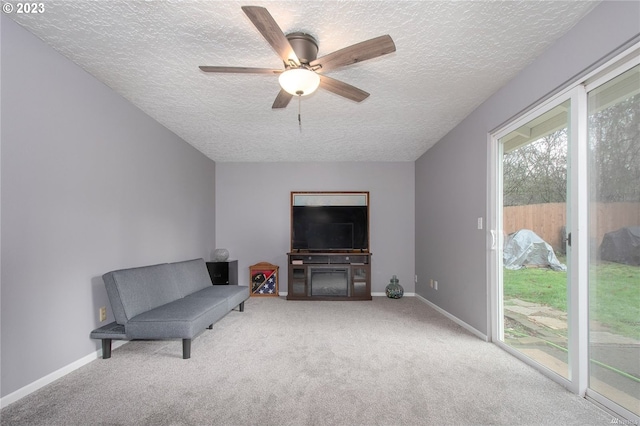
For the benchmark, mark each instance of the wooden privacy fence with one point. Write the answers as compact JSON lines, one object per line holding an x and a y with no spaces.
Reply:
{"x":548,"y":220}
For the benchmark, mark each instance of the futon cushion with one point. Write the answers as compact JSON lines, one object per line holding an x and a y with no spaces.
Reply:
{"x":183,"y":319}
{"x":191,"y":275}
{"x":137,"y":290}
{"x":233,"y":293}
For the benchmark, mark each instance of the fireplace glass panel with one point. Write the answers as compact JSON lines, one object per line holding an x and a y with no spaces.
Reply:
{"x":329,"y":281}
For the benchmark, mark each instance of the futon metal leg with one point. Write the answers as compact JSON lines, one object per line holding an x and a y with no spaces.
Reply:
{"x":241,"y":306}
{"x":106,"y":348}
{"x":186,"y":348}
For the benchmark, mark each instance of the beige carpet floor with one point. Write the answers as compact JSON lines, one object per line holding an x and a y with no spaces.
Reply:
{"x":384,"y":362}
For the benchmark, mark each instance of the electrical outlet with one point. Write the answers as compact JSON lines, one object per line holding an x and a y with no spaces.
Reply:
{"x":435,"y":285}
{"x":415,"y":279}
{"x":103,"y":313}
{"x":431,"y":282}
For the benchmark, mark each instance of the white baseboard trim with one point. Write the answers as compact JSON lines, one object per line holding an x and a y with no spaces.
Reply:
{"x":376,"y":294}
{"x":50,"y":378}
{"x":383,"y":294}
{"x":455,"y":319}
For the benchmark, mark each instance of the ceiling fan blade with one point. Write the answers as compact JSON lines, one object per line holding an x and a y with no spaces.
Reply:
{"x":282,"y":100}
{"x":270,"y":30}
{"x":242,"y":70}
{"x":343,"y":89}
{"x":356,"y":53}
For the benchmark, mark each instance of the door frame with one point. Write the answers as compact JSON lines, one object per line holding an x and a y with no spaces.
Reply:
{"x":577,"y":224}
{"x":495,"y":268}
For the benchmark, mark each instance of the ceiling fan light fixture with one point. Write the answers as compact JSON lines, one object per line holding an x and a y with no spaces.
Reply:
{"x":299,"y":81}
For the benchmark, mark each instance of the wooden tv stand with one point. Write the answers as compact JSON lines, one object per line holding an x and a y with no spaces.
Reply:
{"x":329,"y":276}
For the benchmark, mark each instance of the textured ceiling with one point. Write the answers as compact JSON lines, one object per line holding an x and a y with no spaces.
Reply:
{"x":451,"y":56}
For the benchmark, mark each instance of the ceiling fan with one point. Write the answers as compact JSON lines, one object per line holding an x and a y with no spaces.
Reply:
{"x":302,"y":74}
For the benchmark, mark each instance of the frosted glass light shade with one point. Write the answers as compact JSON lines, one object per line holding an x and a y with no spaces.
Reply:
{"x":298,"y":80}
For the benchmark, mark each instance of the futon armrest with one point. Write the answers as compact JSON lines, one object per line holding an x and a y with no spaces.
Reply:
{"x":110,"y":331}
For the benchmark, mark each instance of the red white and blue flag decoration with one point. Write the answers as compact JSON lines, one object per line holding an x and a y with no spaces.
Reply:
{"x":264,"y":282}
{"x":269,"y":287}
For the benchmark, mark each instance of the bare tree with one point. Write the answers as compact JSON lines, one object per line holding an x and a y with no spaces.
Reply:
{"x":614,"y":145}
{"x":537,"y":172}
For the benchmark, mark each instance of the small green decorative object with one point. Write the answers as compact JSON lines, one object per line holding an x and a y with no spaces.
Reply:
{"x":394,"y":290}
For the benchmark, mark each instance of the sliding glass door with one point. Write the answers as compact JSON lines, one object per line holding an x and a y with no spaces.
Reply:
{"x":534,"y":216}
{"x":565,"y":261}
{"x":614,"y":246}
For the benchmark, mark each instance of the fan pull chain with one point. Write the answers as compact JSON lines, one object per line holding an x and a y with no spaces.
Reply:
{"x":299,"y":110}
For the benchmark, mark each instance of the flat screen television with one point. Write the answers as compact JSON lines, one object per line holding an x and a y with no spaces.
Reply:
{"x":330,"y":236}
{"x":329,"y":228}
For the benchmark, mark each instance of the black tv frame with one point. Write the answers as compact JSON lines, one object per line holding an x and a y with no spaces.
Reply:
{"x":314,"y":211}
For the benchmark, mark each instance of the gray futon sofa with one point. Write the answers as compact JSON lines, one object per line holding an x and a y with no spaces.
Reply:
{"x":166,"y":301}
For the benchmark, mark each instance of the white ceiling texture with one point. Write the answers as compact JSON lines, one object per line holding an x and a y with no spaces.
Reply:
{"x":450,"y":57}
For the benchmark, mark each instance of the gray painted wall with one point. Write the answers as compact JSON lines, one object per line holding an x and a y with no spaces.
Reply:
{"x":89,"y":184}
{"x":253,"y":212}
{"x":451,"y":178}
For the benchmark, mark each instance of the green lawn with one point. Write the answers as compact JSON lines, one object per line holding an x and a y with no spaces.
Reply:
{"x":614,"y":293}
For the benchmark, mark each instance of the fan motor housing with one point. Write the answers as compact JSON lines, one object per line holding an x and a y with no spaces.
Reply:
{"x":304,"y":45}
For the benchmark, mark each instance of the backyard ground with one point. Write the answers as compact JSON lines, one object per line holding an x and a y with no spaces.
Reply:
{"x":535,"y":323}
